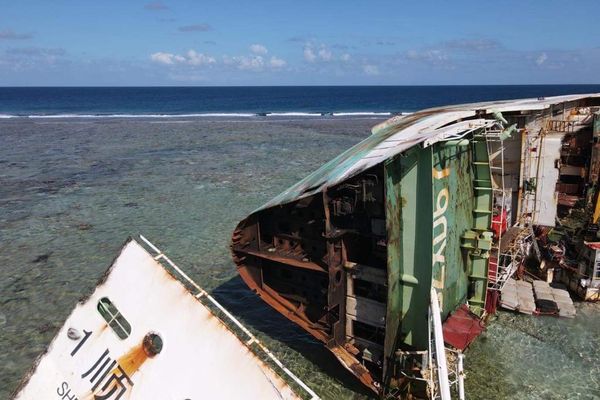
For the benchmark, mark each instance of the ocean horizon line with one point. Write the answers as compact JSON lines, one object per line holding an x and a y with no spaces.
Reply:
{"x":255,"y":101}
{"x":296,"y":86}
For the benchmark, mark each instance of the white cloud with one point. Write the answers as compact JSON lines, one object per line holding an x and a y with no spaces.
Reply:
{"x":252,"y":63}
{"x":313,"y":52}
{"x":309,"y":54}
{"x":541,"y":59}
{"x":431,"y":55}
{"x":258,"y":49}
{"x":165,"y":58}
{"x":371,"y":69}
{"x":345,"y":57}
{"x":255,"y":63}
{"x":325,"y":54}
{"x":192,"y":57}
{"x":277,"y":62}
{"x":22,"y":58}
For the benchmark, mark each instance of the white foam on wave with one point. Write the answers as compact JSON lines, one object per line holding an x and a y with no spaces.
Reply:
{"x":39,"y":116}
{"x":223,"y":115}
{"x":360,"y":113}
{"x":62,"y":116}
{"x":209,"y":115}
{"x":293,"y":114}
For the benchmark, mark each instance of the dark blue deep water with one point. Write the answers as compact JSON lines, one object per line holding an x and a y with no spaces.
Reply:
{"x":167,"y":101}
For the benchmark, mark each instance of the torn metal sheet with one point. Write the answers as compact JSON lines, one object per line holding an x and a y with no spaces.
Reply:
{"x":403,"y":132}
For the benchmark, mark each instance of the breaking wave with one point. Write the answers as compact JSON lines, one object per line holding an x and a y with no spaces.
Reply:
{"x":210,"y":115}
{"x":359,"y":114}
{"x":293,"y":114}
{"x":142,"y":115}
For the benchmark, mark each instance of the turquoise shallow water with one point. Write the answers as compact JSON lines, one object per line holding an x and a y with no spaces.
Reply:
{"x":71,"y":191}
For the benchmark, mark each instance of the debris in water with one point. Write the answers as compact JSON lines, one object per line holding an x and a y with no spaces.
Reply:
{"x":42,"y":258}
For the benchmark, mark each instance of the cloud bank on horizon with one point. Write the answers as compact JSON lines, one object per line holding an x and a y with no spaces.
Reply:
{"x":298,"y":43}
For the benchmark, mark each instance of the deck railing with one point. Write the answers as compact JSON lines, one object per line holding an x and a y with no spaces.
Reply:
{"x":252,"y":340}
{"x":560,"y":126}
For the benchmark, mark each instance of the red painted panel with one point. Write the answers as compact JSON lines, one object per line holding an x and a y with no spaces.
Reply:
{"x":461,"y":328}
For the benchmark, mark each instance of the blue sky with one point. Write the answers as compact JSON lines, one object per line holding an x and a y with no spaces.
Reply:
{"x":298,"y":42}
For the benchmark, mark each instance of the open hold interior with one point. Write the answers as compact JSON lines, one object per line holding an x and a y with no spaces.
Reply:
{"x":568,"y":244}
{"x":324,"y":258}
{"x":574,"y":167}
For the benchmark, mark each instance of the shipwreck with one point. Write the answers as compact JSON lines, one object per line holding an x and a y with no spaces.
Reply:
{"x":392,"y":254}
{"x":449,"y":203}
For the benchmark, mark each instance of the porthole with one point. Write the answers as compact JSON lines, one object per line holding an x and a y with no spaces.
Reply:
{"x":114,"y":318}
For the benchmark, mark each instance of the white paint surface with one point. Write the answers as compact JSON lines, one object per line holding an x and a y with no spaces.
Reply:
{"x":547,"y":196}
{"x":201,"y":358}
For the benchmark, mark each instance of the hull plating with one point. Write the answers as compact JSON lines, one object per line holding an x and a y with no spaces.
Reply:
{"x":351,"y":252}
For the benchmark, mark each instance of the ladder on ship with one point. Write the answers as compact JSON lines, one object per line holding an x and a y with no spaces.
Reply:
{"x":530,"y":170}
{"x":497,"y":273}
{"x":505,"y":258}
{"x":478,"y":241}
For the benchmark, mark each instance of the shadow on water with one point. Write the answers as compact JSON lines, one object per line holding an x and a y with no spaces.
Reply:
{"x":246,"y":305}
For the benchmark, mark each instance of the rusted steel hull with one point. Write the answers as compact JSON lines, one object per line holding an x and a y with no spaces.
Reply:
{"x":351,"y":252}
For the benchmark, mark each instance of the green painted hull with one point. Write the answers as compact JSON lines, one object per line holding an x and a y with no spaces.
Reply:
{"x":351,"y":252}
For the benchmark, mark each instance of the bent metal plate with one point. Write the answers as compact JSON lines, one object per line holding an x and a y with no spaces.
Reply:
{"x":142,"y":335}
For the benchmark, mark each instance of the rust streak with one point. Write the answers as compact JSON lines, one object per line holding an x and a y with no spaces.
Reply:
{"x":133,"y":360}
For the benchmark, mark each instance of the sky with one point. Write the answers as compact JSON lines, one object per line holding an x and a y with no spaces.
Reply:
{"x":327,"y":42}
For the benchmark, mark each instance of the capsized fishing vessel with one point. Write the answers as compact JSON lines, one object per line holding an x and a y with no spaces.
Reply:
{"x":149,"y":332}
{"x":448,"y":202}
